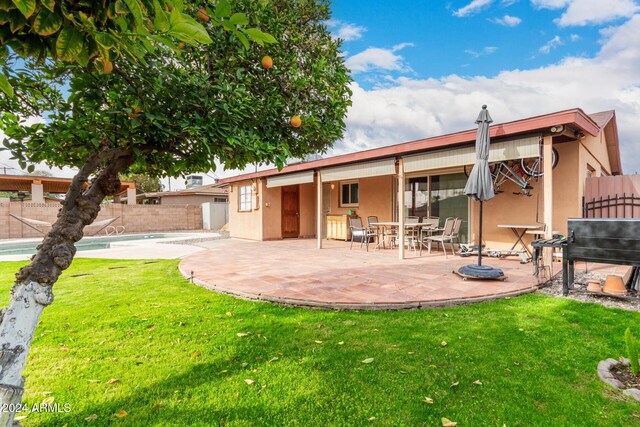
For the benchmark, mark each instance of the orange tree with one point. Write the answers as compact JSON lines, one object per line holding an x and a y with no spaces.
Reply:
{"x":144,"y":102}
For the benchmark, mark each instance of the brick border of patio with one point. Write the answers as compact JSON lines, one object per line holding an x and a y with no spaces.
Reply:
{"x":303,"y":303}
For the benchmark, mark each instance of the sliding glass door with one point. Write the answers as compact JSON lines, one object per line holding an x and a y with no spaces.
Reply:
{"x":439,"y":196}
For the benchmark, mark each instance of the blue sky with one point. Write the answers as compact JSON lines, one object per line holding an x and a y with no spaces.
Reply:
{"x":423,"y":68}
{"x":442,"y":38}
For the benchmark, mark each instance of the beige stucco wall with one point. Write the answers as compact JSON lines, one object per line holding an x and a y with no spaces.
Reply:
{"x":307,"y":199}
{"x":245,"y":225}
{"x":272,"y":212}
{"x":375,"y":197}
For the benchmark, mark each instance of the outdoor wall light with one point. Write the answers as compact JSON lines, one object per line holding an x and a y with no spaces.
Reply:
{"x":333,"y":186}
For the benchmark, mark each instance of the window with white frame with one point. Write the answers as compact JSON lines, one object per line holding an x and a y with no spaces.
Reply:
{"x":349,"y":194}
{"x":244,"y":204}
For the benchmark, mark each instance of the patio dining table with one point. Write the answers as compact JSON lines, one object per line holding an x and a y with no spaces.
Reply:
{"x":394,"y":224}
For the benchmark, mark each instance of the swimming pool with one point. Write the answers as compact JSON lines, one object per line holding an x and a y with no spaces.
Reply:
{"x":86,"y":244}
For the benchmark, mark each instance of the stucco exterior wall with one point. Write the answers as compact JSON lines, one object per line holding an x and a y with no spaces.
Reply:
{"x":245,"y":225}
{"x":271,"y":212}
{"x":375,"y":198}
{"x":307,"y":195}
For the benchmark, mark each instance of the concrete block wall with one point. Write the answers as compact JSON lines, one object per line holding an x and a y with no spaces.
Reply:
{"x":135,"y":218}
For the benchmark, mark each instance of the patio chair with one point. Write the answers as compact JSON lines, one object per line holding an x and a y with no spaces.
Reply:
{"x":411,"y":234}
{"x":446,"y":236}
{"x":455,"y":236}
{"x":430,"y":225}
{"x":379,"y":231}
{"x":358,"y":230}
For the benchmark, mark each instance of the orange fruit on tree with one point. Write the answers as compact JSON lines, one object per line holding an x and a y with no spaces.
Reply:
{"x":267,"y":62}
{"x":202,"y":15}
{"x":107,"y":67}
{"x":295,"y":121}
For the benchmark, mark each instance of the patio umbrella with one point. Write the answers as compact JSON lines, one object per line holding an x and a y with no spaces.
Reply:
{"x":480,"y":187}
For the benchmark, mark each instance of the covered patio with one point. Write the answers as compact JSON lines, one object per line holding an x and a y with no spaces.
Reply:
{"x":291,"y":272}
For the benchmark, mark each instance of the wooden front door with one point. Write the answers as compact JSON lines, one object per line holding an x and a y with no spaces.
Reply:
{"x":290,"y":212}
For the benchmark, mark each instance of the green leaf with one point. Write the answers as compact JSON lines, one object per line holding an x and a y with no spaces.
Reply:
{"x":238,"y":19}
{"x":177,"y":4}
{"x":31,"y":168}
{"x":243,"y":39}
{"x":368,"y":360}
{"x":5,"y":86}
{"x":160,"y":21}
{"x":223,"y":9}
{"x":47,"y":23}
{"x":83,"y":57}
{"x":136,"y":10}
{"x":258,"y":36}
{"x":49,"y":4}
{"x":185,"y":28}
{"x":7,"y":5}
{"x":27,"y":7}
{"x":4,"y":17}
{"x":69,"y":44}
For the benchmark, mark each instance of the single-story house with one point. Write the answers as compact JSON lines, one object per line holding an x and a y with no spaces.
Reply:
{"x":211,"y":193}
{"x":427,"y":177}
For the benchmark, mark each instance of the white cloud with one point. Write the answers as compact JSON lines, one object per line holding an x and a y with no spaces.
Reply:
{"x":474,"y":7}
{"x":507,"y":21}
{"x":413,"y":109}
{"x":551,"y":44}
{"x":584,"y":12}
{"x":574,"y":37}
{"x":378,"y":59}
{"x":487,"y":50}
{"x":345,"y":30}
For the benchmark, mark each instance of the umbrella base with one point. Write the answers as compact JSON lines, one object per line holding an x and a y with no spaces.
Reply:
{"x":473,"y":271}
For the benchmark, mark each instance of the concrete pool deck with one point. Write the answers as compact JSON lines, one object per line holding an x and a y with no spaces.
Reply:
{"x":135,"y":249}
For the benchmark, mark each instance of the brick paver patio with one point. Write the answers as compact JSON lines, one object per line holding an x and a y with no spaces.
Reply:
{"x":295,"y":272}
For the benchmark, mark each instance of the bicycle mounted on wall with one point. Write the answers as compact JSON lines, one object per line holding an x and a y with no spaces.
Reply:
{"x":521,"y":172}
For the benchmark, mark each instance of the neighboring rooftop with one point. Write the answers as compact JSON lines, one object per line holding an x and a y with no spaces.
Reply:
{"x":49,"y":184}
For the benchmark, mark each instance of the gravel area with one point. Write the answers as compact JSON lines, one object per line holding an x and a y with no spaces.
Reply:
{"x":554,"y":287}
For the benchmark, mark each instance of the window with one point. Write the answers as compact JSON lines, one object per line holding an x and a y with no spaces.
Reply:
{"x":244,"y":204}
{"x":349,"y":194}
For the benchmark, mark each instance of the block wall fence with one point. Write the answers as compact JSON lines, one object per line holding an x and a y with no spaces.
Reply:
{"x":135,"y":218}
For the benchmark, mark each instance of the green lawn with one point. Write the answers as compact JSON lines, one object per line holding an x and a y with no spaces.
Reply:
{"x":181,"y":357}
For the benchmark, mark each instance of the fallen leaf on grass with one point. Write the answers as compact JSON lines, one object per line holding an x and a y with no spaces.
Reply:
{"x":403,"y":372}
{"x":244,"y":364}
{"x":368,"y":360}
{"x":242,"y":334}
{"x":195,"y":354}
{"x":121,"y":413}
{"x":372,"y":419}
{"x":428,"y":400}
{"x":65,"y":349}
{"x":113,"y":381}
{"x":318,"y":342}
{"x":91,"y":417}
{"x":448,"y":423}
{"x":273,"y":359}
{"x":229,"y":313}
{"x":49,"y":400}
{"x":151,"y":328}
{"x":478,"y":382}
{"x":248,"y":381}
{"x":411,"y":352}
{"x":454,"y":384}
{"x":443,"y":343}
{"x":155,"y":407}
{"x":341,"y":343}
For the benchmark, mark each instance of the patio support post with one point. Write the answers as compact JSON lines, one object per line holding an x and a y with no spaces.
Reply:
{"x":319,"y":208}
{"x":401,"y":209}
{"x":548,"y":194}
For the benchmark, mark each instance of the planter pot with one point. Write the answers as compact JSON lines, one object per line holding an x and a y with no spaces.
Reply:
{"x":604,"y":372}
{"x":614,"y":285}
{"x":594,"y":286}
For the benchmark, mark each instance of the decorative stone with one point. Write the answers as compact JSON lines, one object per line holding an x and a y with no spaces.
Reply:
{"x":604,"y":372}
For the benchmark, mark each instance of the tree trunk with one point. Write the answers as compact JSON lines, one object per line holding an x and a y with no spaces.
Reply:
{"x":32,"y":291}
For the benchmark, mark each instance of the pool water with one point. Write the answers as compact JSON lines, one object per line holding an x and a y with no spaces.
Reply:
{"x":86,"y":244}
